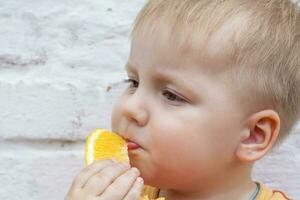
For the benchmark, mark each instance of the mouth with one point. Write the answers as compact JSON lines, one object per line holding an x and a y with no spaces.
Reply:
{"x":132,"y":145}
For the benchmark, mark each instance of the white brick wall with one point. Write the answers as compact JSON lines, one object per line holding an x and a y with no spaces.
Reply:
{"x":57,"y":58}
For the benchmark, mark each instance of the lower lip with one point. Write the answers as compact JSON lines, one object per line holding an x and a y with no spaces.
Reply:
{"x":132,"y":146}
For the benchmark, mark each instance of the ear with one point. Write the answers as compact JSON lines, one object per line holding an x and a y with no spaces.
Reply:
{"x":260,"y":133}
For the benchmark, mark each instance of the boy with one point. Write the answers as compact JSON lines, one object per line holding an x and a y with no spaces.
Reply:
{"x":214,"y":85}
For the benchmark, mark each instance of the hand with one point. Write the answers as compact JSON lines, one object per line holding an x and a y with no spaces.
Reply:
{"x":106,"y":180}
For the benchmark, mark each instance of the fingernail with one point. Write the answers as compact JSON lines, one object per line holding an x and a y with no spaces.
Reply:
{"x":125,"y":165}
{"x":140,"y":180}
{"x":135,"y":170}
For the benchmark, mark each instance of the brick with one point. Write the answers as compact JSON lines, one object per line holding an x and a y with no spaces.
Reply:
{"x":45,"y":110}
{"x":34,"y":175}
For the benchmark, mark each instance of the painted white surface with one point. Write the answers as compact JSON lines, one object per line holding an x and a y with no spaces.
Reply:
{"x":57,"y":58}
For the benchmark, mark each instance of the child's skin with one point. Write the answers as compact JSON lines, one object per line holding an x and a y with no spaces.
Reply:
{"x":196,"y":143}
{"x":106,"y":180}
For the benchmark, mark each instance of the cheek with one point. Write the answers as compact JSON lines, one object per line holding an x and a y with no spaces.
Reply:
{"x":187,"y":133}
{"x":192,"y":141}
{"x":174,"y":154}
{"x":224,"y":134}
{"x":173,"y":143}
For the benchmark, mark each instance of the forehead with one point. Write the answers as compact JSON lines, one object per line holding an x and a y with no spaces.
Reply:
{"x":197,"y":47}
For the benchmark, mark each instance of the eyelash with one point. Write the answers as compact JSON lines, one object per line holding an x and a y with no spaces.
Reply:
{"x":133,"y":83}
{"x":170,"y":96}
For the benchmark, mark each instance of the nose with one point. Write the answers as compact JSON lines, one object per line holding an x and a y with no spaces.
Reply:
{"x":134,"y":109}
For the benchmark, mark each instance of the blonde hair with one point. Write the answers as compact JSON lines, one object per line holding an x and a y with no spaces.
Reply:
{"x":265,"y":46}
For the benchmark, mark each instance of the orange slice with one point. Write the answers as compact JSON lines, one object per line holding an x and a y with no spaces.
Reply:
{"x":147,"y":198}
{"x":102,"y":144}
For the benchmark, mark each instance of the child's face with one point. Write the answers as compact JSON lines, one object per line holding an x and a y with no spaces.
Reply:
{"x":180,"y":112}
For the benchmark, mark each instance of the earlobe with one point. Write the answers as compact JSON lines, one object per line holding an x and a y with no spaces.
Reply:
{"x":261,"y":131}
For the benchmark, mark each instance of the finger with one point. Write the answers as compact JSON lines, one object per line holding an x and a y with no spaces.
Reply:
{"x":136,"y":190}
{"x":100,"y":181}
{"x":120,"y":187}
{"x":89,"y":171}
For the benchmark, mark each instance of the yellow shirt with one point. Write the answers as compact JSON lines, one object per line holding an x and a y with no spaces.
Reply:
{"x":263,"y":194}
{"x":270,"y":194}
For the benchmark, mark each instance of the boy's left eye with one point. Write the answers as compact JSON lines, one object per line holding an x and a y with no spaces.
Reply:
{"x":171,"y":96}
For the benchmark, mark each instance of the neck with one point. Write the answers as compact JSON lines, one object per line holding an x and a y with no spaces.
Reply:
{"x":235,"y":186}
